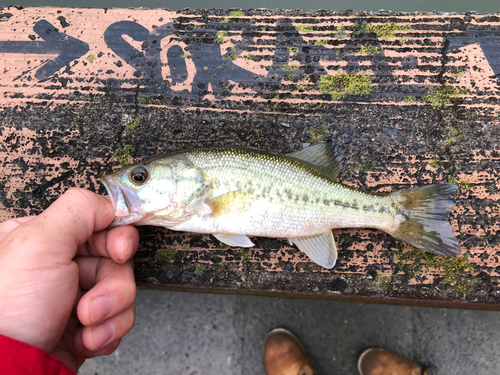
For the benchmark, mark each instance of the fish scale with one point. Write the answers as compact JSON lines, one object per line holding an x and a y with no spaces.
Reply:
{"x":301,"y":200}
{"x":236,"y":192}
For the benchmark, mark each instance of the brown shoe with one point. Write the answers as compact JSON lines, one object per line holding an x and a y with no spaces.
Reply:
{"x":376,"y":361}
{"x":284,"y":355}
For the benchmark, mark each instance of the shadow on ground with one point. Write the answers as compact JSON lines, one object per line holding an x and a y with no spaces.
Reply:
{"x":210,"y":334}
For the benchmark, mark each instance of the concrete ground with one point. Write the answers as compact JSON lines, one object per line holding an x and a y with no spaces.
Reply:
{"x":211,"y":334}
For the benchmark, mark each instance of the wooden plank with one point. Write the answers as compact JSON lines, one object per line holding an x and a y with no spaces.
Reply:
{"x":86,"y":89}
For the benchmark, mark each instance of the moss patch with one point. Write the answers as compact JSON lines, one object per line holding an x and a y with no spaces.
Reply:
{"x":166,"y":255}
{"x":304,"y":28}
{"x":124,"y":154}
{"x":434,"y":163}
{"x":410,"y":99}
{"x":198,"y":268}
{"x":317,"y":134}
{"x":321,"y":42}
{"x":454,"y":135}
{"x":340,"y":84}
{"x":289,"y":68}
{"x":293,"y":49}
{"x":133,"y":124}
{"x":383,"y":281}
{"x":246,"y":255}
{"x":457,"y":272}
{"x":236,"y":13}
{"x":443,"y":96}
{"x":142,"y":99}
{"x":370,"y":50}
{"x":384,"y":30}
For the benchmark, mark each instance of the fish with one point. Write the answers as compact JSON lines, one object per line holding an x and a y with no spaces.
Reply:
{"x":234,"y":192}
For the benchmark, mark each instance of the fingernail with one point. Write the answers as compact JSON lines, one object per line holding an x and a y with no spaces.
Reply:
{"x":103,"y":334}
{"x":100,"y":308}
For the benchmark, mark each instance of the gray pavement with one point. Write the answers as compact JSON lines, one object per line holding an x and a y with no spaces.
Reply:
{"x":211,"y":334}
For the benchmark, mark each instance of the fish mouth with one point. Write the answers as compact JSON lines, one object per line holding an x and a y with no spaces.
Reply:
{"x":125,"y":202}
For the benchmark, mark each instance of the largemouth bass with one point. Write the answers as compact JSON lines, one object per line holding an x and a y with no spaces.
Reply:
{"x":236,"y":192}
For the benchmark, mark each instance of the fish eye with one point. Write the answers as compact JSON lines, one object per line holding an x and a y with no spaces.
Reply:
{"x":139,"y":175}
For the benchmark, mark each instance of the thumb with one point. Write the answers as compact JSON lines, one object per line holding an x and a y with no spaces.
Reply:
{"x":69,"y":221}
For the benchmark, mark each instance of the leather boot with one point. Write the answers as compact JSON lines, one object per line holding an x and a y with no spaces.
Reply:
{"x":376,"y":361}
{"x":284,"y":355}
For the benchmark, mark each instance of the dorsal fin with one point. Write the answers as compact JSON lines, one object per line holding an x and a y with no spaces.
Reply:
{"x":327,"y":156}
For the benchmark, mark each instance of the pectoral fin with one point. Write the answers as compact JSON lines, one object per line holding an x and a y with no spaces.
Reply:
{"x":230,"y":203}
{"x":321,"y":249}
{"x":239,"y":240}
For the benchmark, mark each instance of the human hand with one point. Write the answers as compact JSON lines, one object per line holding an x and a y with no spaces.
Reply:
{"x":62,"y":269}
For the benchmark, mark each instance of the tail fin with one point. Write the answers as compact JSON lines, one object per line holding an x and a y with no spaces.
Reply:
{"x":422,"y":218}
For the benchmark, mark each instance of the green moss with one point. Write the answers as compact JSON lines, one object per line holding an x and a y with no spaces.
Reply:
{"x":305,"y":28}
{"x":225,"y":20}
{"x":321,"y":42}
{"x":236,"y":13}
{"x":221,"y":35}
{"x":384,"y":281}
{"x":142,"y":99}
{"x":415,"y":261}
{"x":410,"y":99}
{"x":340,"y":84}
{"x":166,"y":255}
{"x":457,"y":272}
{"x":464,"y":184}
{"x":364,"y":166}
{"x":303,"y":87}
{"x":290,"y":68}
{"x":224,"y":264}
{"x":291,"y":77}
{"x":434,"y":163}
{"x":123,"y":154}
{"x":443,"y":96}
{"x":133,"y":124}
{"x":205,"y":68}
{"x":198,"y":268}
{"x":185,"y":56}
{"x":185,"y":248}
{"x":293,"y":49}
{"x":246,"y":255}
{"x":249,"y":56}
{"x":263,"y":28}
{"x":223,"y":246}
{"x":230,"y":56}
{"x":384,"y":30}
{"x":318,"y":134}
{"x":91,"y":58}
{"x":369,"y":49}
{"x":25,"y":22}
{"x":339,"y":32}
{"x":453,"y":136}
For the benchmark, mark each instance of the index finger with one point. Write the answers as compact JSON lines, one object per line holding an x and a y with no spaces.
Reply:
{"x":119,"y":244}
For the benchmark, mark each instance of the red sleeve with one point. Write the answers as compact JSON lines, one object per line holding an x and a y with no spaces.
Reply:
{"x":19,"y":358}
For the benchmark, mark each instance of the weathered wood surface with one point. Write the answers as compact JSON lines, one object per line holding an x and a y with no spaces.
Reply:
{"x":85,"y":89}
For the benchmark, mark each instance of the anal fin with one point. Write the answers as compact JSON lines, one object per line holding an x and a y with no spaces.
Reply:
{"x":238,"y":240}
{"x":321,"y":249}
